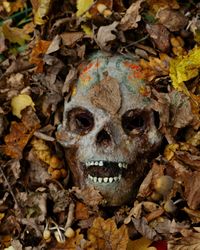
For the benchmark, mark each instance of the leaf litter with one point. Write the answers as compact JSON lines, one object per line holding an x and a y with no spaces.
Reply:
{"x":42,"y":44}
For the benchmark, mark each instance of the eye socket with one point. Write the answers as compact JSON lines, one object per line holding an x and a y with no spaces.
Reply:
{"x":134,"y":122}
{"x":80,"y":120}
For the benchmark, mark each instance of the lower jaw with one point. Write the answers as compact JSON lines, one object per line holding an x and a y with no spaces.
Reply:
{"x":116,"y":193}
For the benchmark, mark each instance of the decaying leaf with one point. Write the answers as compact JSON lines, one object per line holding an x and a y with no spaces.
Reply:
{"x":89,"y":196}
{"x":160,"y":35}
{"x":104,"y":235}
{"x":131,"y":17}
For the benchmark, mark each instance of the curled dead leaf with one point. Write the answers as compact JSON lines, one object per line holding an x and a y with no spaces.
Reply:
{"x":131,"y":17}
{"x":105,"y":35}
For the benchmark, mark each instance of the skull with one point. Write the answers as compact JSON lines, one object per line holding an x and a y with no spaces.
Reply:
{"x":108,"y":128}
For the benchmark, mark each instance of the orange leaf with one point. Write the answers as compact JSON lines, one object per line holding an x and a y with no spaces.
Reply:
{"x":104,"y":235}
{"x":81,"y":211}
{"x":37,"y":54}
{"x":155,"y":67}
{"x":17,"y":140}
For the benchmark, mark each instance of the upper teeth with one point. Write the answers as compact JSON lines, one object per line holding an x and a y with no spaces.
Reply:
{"x":104,"y":179}
{"x":100,"y":163}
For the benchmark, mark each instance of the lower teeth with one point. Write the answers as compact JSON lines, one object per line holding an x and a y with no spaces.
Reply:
{"x":105,"y":179}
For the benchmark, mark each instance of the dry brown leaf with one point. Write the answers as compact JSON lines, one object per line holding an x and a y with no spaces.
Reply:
{"x":131,"y":17}
{"x":104,"y":235}
{"x":172,"y":19}
{"x":160,"y":36}
{"x":105,"y":35}
{"x":189,"y":159}
{"x":70,"y":38}
{"x":106,"y":95}
{"x":89,"y":195}
{"x":144,"y":229}
{"x":192,"y":189}
{"x":54,"y":45}
{"x":189,"y":242}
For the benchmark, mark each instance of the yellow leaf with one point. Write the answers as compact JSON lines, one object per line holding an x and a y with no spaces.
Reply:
{"x":104,"y":234}
{"x":13,"y":34}
{"x":140,"y":244}
{"x":170,"y":150}
{"x":87,"y":30}
{"x":184,"y":68}
{"x":83,"y":6}
{"x":20,"y":102}
{"x":41,"y":9}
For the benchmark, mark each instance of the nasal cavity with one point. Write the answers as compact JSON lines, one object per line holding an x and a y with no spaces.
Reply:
{"x":103,"y":138}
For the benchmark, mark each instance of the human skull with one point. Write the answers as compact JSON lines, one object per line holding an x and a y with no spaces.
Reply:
{"x":108,"y":128}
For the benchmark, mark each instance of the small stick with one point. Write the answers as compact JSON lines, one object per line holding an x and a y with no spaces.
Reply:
{"x":10,"y":189}
{"x":70,"y":216}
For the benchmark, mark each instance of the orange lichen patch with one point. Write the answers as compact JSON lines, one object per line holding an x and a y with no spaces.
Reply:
{"x":136,"y":70}
{"x":89,"y":66}
{"x":85,"y":78}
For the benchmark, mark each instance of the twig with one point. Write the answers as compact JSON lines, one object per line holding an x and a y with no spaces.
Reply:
{"x":43,"y":136}
{"x":138,"y":41}
{"x":10,"y":189}
{"x":70,"y":216}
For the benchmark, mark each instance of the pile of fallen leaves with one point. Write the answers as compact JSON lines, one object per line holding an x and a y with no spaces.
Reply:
{"x":41,"y":44}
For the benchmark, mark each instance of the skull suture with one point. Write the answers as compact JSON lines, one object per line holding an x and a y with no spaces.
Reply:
{"x":108,"y":128}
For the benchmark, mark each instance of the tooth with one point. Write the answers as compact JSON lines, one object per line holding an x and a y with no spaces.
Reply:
{"x":95,"y":179}
{"x":110,"y":179}
{"x":116,"y":178}
{"x":87,"y":164}
{"x":125,"y":165}
{"x":120,"y":165}
{"x":119,"y":177}
{"x":90,"y":177}
{"x":101,"y":163}
{"x":105,"y":179}
{"x":91,"y":163}
{"x":100,"y":179}
{"x":96,"y":163}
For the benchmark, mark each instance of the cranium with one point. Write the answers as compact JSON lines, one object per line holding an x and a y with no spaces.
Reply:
{"x":108,"y":128}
